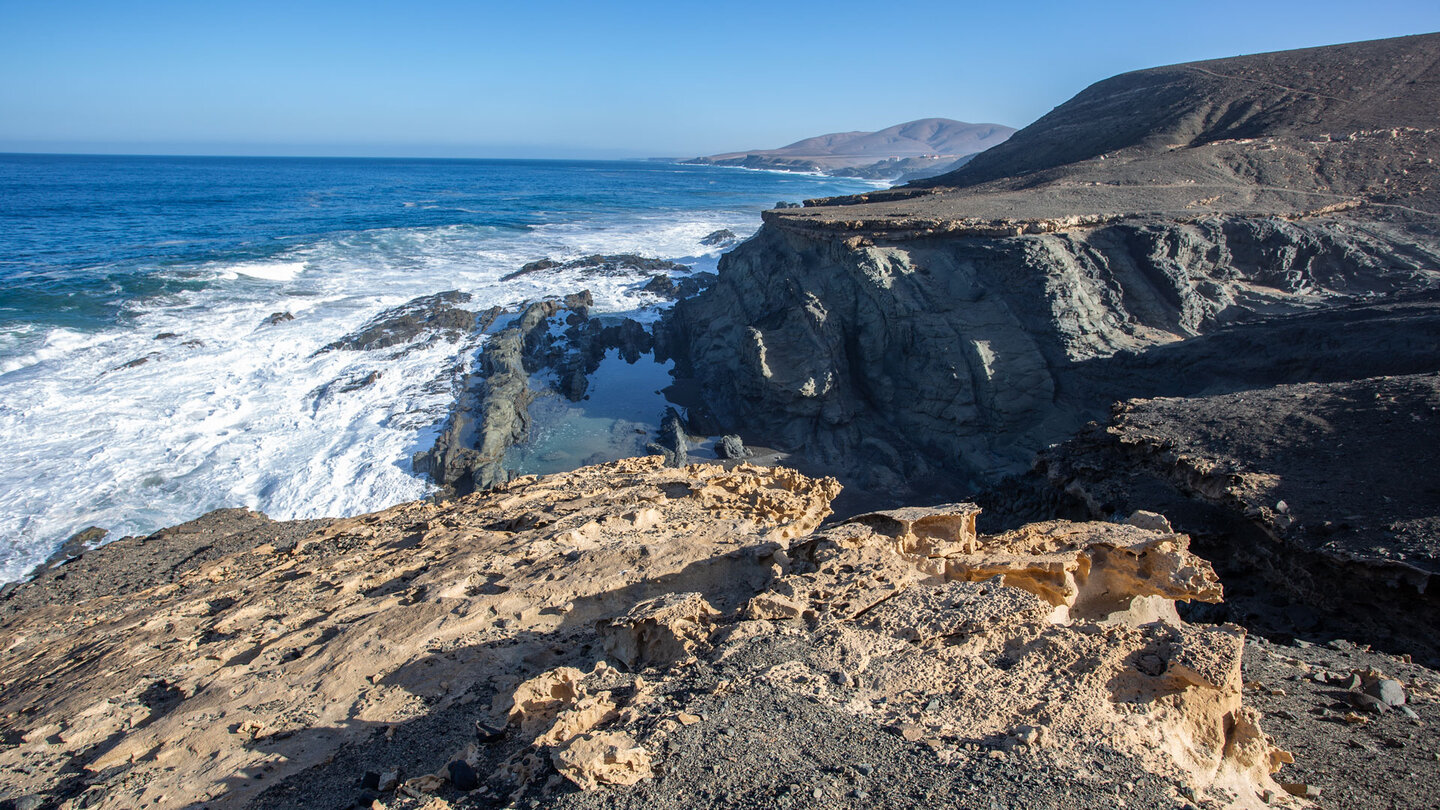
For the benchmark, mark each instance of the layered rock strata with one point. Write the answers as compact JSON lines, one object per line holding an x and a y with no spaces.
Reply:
{"x":950,"y":332}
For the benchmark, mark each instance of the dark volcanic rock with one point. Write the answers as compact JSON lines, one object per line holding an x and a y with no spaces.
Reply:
{"x":438,"y":315}
{"x":1323,"y":495}
{"x":277,"y":318}
{"x":674,"y":440}
{"x":600,"y":265}
{"x":660,"y":285}
{"x":491,"y":411}
{"x":732,"y":447}
{"x":724,"y":236}
{"x":686,"y":287}
{"x":958,"y":330}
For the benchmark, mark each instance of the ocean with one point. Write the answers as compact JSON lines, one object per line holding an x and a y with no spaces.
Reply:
{"x":141,"y":385}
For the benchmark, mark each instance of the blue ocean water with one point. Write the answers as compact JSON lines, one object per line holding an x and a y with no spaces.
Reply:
{"x":140,"y":385}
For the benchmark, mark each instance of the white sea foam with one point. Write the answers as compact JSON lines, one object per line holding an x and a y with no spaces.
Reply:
{"x":130,"y":432}
{"x":269,"y":271}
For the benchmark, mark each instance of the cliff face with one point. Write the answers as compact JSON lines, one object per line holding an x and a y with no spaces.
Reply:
{"x":966,"y":355}
{"x":959,"y":329}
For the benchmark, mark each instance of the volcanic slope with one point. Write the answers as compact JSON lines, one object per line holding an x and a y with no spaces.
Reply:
{"x":937,"y":337}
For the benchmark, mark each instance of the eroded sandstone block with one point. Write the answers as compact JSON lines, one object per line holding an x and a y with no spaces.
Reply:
{"x":660,"y":631}
{"x":592,"y":760}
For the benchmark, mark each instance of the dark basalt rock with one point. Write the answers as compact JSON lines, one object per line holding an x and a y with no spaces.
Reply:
{"x":686,"y":287}
{"x":674,"y":440}
{"x":724,"y":236}
{"x":942,"y":336}
{"x":1317,"y":502}
{"x":618,"y":264}
{"x":491,"y":412}
{"x":732,"y":447}
{"x":438,"y":316}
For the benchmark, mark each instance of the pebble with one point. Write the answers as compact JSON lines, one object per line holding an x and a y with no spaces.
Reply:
{"x":462,"y":776}
{"x":1301,"y":789}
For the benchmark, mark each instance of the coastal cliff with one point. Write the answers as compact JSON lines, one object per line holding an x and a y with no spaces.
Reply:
{"x":1219,"y":597}
{"x":938,"y":336}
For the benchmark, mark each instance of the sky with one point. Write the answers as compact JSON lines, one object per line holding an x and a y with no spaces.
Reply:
{"x":530,"y":78}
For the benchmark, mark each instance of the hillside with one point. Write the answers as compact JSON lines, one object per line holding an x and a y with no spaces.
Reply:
{"x":916,"y":148}
{"x":1252,"y":239}
{"x":975,"y":311}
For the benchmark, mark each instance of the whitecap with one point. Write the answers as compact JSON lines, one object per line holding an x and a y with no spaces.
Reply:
{"x":267,"y":271}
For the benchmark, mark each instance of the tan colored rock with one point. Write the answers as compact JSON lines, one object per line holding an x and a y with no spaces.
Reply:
{"x":585,"y":715}
{"x":1094,"y":570}
{"x":373,"y":620}
{"x":1033,"y":642}
{"x":928,"y":531}
{"x":1142,"y":519}
{"x":538,"y":702}
{"x":593,"y":760}
{"x":774,"y":607}
{"x":660,"y":631}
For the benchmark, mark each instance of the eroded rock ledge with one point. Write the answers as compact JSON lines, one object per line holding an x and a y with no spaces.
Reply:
{"x":594,"y":630}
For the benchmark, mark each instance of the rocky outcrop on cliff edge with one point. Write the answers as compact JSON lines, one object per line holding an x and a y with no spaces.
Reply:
{"x":633,"y":635}
{"x":946,"y":334}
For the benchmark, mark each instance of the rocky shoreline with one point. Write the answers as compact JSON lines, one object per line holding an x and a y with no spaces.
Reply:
{"x":1163,"y":366}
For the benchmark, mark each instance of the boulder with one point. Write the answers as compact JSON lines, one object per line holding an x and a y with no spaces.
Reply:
{"x":732,"y":447}
{"x":724,"y":236}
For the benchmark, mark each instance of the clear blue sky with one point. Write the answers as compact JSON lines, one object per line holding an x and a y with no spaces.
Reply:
{"x":591,"y":79}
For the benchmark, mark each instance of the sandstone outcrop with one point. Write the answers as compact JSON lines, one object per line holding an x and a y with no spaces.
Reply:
{"x":584,"y":632}
{"x":225,"y":673}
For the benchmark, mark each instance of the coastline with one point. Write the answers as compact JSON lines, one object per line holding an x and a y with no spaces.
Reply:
{"x":1176,"y":547}
{"x":187,"y":388}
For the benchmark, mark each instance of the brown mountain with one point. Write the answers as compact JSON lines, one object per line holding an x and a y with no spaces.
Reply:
{"x":910,"y":147}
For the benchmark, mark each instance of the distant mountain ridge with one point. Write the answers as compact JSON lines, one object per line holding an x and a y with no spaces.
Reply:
{"x":908,"y":151}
